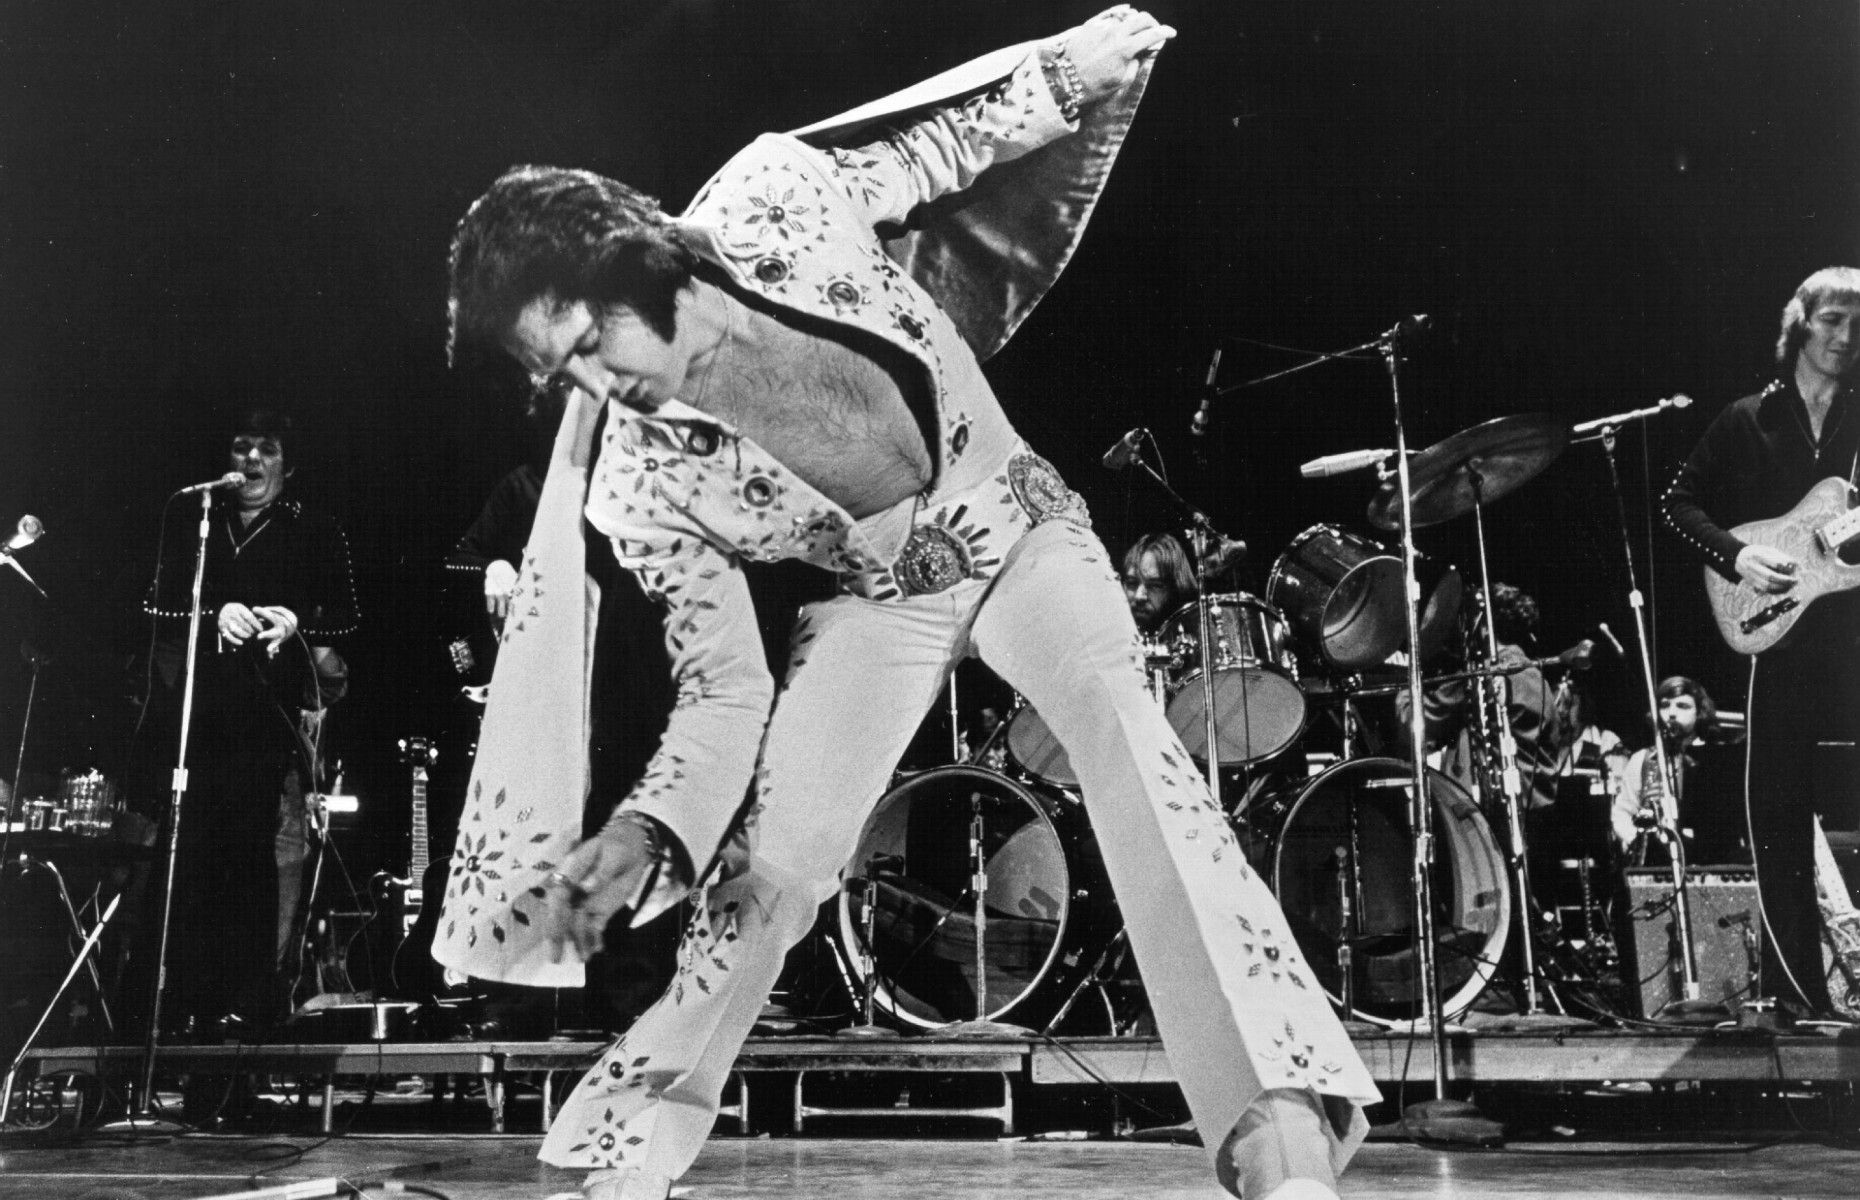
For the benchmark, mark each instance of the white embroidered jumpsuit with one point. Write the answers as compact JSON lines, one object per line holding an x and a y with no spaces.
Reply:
{"x":996,"y":559}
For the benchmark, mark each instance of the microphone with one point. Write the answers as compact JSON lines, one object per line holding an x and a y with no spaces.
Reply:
{"x":1338,"y":464}
{"x":1409,"y":326}
{"x":1677,"y":400}
{"x":1199,"y":426}
{"x":1602,"y":628}
{"x":230,"y":479}
{"x":1121,"y":455}
{"x":29,"y":530}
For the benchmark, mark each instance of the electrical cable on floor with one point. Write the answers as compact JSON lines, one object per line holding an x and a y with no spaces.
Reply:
{"x":1087,"y":1069}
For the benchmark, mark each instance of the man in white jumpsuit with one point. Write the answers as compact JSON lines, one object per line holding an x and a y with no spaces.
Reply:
{"x":791,"y":369}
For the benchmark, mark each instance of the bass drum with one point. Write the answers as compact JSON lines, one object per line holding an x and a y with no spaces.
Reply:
{"x":1046,"y":904}
{"x":1363,"y":803}
{"x":1259,"y":709}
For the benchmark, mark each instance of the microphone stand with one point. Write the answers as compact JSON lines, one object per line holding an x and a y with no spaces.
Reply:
{"x":142,"y":1115}
{"x":1666,"y":826}
{"x":1439,"y":1119}
{"x":14,"y":800}
{"x":1205,"y":539}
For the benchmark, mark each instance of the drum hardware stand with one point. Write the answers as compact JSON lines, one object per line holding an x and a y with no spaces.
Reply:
{"x":981,"y":1026}
{"x":868,"y":1029}
{"x":25,"y":864}
{"x":1492,"y":714}
{"x":1349,"y":906}
{"x":142,"y":1115}
{"x":1103,"y":972}
{"x":1666,"y":827}
{"x":83,"y":957}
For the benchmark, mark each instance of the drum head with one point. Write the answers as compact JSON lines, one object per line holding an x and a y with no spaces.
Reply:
{"x":1356,"y":815}
{"x":1037,"y":751}
{"x":1257,"y":714}
{"x":915,"y":851}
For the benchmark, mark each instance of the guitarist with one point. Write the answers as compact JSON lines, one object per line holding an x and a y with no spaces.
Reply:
{"x":1757,"y":460}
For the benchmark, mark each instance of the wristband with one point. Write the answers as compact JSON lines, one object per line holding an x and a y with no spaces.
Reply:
{"x":1062,"y":78}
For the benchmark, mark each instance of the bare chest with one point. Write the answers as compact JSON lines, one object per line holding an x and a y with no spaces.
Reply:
{"x":846,"y":416}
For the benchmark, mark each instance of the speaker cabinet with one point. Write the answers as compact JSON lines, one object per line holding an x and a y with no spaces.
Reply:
{"x":1727,"y":929}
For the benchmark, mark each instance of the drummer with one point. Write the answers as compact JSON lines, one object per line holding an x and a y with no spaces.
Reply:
{"x":1158,"y":579}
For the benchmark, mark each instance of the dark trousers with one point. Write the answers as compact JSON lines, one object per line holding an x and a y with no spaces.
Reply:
{"x":1806,"y":694}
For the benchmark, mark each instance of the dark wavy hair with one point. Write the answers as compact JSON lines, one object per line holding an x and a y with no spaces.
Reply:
{"x":1171,"y":557}
{"x":1515,"y":614}
{"x":264,"y":423}
{"x":1680,"y":685}
{"x":569,"y":235}
{"x":1829,"y":283}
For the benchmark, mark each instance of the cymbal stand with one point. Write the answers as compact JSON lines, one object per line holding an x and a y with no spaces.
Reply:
{"x":1511,"y":788}
{"x":1666,"y":826}
{"x":143,"y":1111}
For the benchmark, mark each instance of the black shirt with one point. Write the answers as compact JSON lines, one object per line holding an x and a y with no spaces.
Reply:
{"x":1757,"y":460}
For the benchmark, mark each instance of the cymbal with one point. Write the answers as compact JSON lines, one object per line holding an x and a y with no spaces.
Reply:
{"x":1506,"y":452}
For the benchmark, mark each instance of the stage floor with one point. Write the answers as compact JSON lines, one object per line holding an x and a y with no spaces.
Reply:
{"x":505,"y":1168}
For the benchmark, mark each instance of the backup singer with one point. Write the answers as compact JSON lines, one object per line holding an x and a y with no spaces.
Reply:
{"x":1757,"y":460}
{"x":278,"y":601}
{"x":782,"y":382}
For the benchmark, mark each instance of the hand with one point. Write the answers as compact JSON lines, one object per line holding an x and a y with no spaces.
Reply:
{"x":595,"y":880}
{"x":270,"y":622}
{"x":500,"y":579}
{"x":282,"y":625}
{"x":1107,"y":48}
{"x":1766,"y":569}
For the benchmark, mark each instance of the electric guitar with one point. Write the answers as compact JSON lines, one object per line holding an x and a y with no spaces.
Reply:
{"x":414,"y":972}
{"x":1813,"y":533}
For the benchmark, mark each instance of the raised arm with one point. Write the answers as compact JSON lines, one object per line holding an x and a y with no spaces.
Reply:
{"x":945,"y":147}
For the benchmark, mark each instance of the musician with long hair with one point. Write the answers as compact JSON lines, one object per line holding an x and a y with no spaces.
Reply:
{"x":1758,"y":460}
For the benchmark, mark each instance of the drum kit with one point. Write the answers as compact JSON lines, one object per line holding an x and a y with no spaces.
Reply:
{"x":997,"y":846}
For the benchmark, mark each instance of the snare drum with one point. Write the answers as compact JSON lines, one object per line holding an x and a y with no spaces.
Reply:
{"x":1359,"y":809}
{"x":1259,"y":708}
{"x":1047,"y":902}
{"x":1341,"y":594}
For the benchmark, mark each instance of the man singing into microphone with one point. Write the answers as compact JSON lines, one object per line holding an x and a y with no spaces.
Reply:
{"x":278,"y":599}
{"x":779,"y":381}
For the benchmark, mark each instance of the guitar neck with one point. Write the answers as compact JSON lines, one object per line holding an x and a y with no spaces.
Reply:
{"x":419,"y":858}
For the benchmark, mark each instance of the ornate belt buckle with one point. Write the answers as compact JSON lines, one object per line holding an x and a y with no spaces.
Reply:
{"x":933,"y":560}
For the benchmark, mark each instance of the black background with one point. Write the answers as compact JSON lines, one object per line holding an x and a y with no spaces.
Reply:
{"x":1601,"y":203}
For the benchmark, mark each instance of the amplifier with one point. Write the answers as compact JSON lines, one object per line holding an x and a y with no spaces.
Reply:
{"x":1727,"y":929}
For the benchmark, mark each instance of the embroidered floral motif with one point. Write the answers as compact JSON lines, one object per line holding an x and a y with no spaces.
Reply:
{"x":777,"y":214}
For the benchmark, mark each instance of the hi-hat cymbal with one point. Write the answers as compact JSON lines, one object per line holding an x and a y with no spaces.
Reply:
{"x":1505,"y":453}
